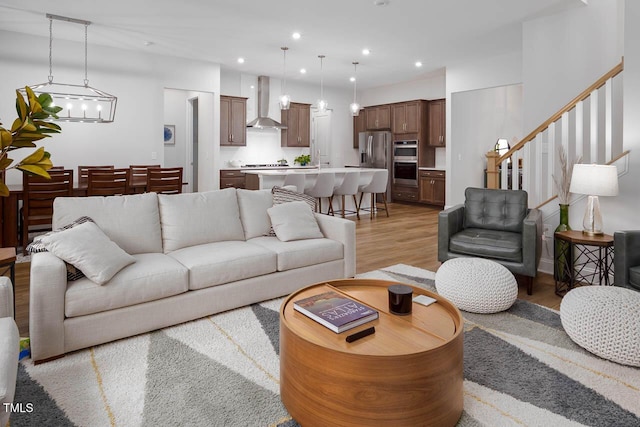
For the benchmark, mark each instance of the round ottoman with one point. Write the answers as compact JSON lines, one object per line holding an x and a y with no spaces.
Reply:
{"x":477,"y":285}
{"x":604,"y":320}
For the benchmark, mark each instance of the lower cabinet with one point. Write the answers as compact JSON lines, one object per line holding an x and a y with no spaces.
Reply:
{"x":404,"y":194}
{"x":231,"y":178}
{"x":432,"y":187}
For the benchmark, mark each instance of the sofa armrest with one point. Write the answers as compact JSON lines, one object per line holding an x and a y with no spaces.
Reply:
{"x":9,"y":350}
{"x":344,"y":231}
{"x":532,"y":241}
{"x":6,"y":297}
{"x":46,"y":305}
{"x":626,"y":254}
{"x":450,"y":221}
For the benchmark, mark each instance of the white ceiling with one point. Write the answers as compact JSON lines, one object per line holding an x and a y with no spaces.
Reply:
{"x":436,"y":32}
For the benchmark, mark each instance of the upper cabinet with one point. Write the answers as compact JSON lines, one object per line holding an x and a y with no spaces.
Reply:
{"x":359,"y":125}
{"x":378,"y":117}
{"x":437,"y":123}
{"x":233,"y":121}
{"x":298,"y":121}
{"x":408,"y":116}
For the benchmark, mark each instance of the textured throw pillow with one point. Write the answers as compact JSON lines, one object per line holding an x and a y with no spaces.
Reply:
{"x":37,"y":246}
{"x":294,"y":221}
{"x":285,"y":195}
{"x":87,"y":248}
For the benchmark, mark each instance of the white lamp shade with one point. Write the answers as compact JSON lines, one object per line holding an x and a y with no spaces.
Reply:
{"x":594,"y":180}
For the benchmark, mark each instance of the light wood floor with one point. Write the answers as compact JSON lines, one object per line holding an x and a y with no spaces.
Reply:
{"x":408,"y":236}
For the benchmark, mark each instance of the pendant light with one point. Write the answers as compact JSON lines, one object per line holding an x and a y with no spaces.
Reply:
{"x":80,"y":103}
{"x":322,"y":103}
{"x":285,"y":99}
{"x":355,"y":107}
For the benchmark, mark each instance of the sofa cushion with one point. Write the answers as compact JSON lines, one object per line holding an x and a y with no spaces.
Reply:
{"x":132,"y":222}
{"x":495,"y":209}
{"x":196,"y":218}
{"x":294,"y":221}
{"x":488,"y":244}
{"x":253,"y":205}
{"x":152,"y":277}
{"x":634,"y":277}
{"x":223,"y":262}
{"x":87,"y":248}
{"x":301,"y":253}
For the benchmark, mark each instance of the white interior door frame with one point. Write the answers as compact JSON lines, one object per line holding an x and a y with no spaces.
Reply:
{"x":321,"y":138}
{"x":188,"y":166}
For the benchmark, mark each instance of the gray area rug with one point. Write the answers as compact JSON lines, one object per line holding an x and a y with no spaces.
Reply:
{"x":520,"y":368}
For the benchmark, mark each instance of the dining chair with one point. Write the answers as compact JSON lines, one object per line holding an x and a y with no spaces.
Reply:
{"x":138,"y":176}
{"x":378,"y":185}
{"x":348,"y":187}
{"x":164,"y":180}
{"x":83,"y":173}
{"x":38,"y":196}
{"x":323,"y":187}
{"x":110,"y":182}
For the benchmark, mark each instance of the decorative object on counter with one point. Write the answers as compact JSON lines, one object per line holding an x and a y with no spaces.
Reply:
{"x":322,"y":103}
{"x":303,"y":159}
{"x":562,"y":184}
{"x":285,"y":99}
{"x":235,"y":163}
{"x":82,"y":103}
{"x":29,"y":126}
{"x":283,"y":162}
{"x":594,"y":180}
{"x":169,"y":135}
{"x":355,"y":107}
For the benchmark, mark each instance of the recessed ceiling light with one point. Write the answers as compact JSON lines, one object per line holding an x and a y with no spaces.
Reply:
{"x":380,"y":2}
{"x":296,"y":35}
{"x":303,"y":71}
{"x":240,"y":60}
{"x":252,"y":87}
{"x":366,"y":51}
{"x":418,"y":64}
{"x":148,"y":43}
{"x":352,"y":79}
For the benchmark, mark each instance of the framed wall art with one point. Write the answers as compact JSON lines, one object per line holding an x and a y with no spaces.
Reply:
{"x":169,"y":134}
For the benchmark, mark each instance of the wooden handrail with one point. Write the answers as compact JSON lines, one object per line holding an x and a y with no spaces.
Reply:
{"x":583,"y":95}
{"x":610,"y":162}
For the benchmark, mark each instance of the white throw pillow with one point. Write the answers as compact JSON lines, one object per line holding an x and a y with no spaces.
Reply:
{"x":90,"y":250}
{"x":253,"y":211}
{"x":294,"y":221}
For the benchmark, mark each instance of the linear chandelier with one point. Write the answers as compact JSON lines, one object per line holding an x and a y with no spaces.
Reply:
{"x":80,"y":103}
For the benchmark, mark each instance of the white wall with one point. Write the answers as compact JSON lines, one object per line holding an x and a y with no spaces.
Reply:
{"x":479,"y":118}
{"x":138,"y":80}
{"x":429,"y":87}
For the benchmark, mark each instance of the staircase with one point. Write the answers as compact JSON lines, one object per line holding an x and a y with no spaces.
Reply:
{"x":590,"y":126}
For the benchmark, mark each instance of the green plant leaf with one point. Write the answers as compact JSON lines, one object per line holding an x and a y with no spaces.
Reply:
{"x":4,"y":190}
{"x":21,"y":144}
{"x":5,"y":162}
{"x":34,"y":157}
{"x":17,"y":124}
{"x":21,"y":106}
{"x":34,"y":170}
{"x":5,"y":138}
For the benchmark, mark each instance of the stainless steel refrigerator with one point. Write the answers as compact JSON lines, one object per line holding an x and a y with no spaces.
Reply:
{"x":375,"y":152}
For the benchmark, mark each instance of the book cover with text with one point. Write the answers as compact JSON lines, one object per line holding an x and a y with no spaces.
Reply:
{"x":335,"y":311}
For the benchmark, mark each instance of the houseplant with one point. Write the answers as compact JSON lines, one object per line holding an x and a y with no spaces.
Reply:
{"x":303,"y":159}
{"x":28,"y":127}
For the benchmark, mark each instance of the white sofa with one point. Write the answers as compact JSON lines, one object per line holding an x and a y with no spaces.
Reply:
{"x":9,"y":349}
{"x":196,"y":254}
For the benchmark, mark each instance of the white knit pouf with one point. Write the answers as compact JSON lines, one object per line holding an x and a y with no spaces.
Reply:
{"x":604,"y":320}
{"x":477,"y":285}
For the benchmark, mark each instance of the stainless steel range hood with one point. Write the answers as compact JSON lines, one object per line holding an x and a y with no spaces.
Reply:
{"x":263,"y":121}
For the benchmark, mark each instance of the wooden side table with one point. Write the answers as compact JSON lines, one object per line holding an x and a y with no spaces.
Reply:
{"x":8,"y":260}
{"x":582,"y":259}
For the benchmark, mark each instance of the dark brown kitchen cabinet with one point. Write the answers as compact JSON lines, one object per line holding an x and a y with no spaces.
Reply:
{"x":437,"y":123}
{"x":298,"y":121}
{"x":359,"y":125}
{"x":408,"y":117}
{"x":432,"y":187}
{"x":231,"y":178}
{"x":378,"y":117}
{"x":233,"y":121}
{"x":404,"y":193}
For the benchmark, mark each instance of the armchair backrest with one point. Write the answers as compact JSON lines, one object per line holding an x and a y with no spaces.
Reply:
{"x":502,"y":210}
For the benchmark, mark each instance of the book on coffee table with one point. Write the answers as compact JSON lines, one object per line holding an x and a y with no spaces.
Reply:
{"x":335,"y":311}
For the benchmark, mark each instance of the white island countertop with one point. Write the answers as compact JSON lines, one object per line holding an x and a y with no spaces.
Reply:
{"x":262,"y":179}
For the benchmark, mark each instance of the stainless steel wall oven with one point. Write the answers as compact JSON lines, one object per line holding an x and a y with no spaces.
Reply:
{"x":405,"y":163}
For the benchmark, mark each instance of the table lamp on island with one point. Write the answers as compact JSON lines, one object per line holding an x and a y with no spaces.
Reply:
{"x":594,"y":180}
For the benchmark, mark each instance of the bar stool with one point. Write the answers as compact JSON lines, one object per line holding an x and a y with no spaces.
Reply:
{"x":296,"y":179}
{"x":348,"y":187}
{"x":378,"y":185}
{"x":323,"y":187}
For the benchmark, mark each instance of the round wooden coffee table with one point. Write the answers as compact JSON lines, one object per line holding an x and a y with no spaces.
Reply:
{"x":408,"y":373}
